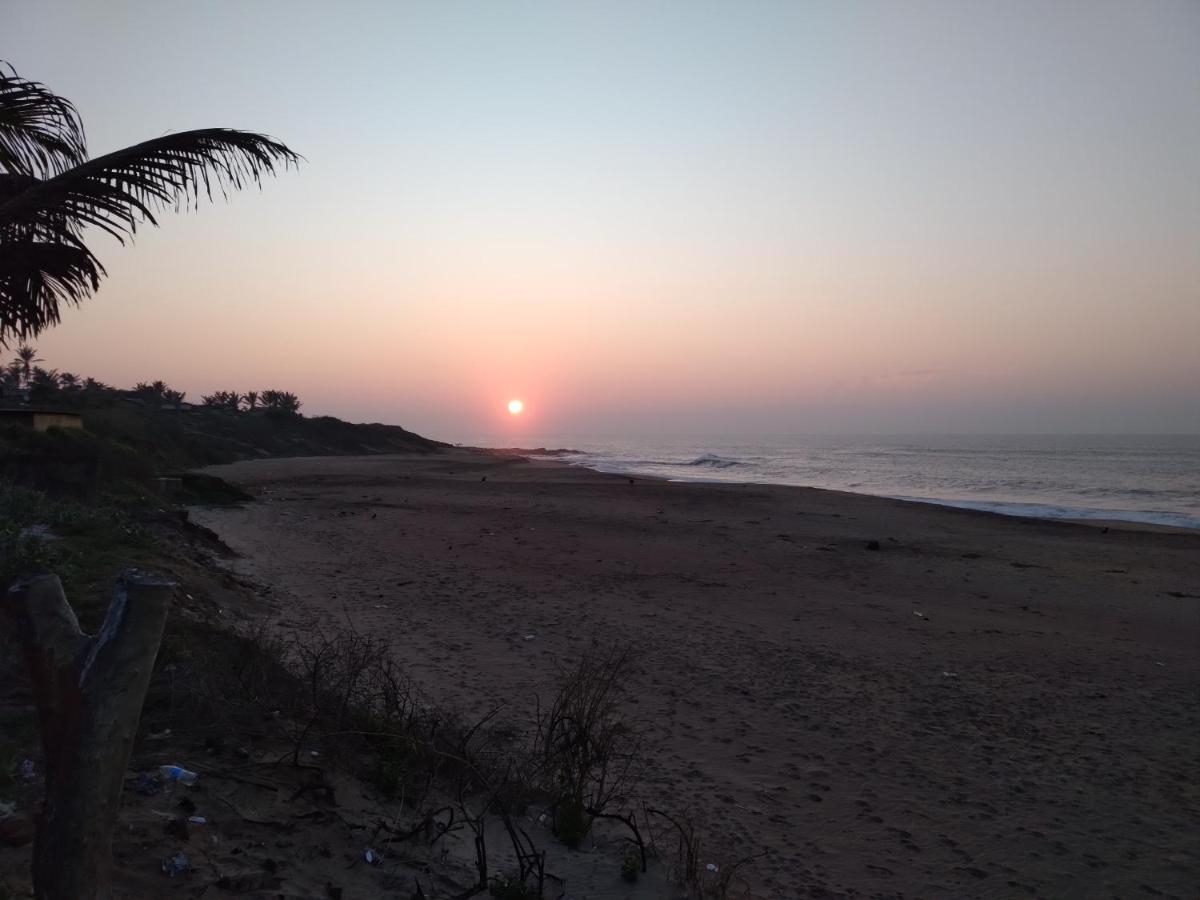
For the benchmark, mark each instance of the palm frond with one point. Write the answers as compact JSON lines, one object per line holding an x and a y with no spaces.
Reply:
{"x":40,"y":132}
{"x":36,"y":278}
{"x":117,"y":191}
{"x":13,"y":183}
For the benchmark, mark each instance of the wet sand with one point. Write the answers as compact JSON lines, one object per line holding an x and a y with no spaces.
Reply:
{"x":983,"y":706}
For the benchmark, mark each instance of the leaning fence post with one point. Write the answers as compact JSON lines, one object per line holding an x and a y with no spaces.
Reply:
{"x":89,"y":693}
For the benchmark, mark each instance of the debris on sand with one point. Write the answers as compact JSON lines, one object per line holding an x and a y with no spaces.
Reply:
{"x":175,"y":865}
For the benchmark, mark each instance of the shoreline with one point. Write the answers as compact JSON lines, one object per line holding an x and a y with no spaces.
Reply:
{"x":892,"y":697}
{"x":984,"y":506}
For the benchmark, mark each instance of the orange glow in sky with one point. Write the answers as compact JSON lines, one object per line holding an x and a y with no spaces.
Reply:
{"x":698,"y":219}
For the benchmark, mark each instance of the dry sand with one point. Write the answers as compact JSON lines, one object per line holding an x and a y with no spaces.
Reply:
{"x":983,"y":707}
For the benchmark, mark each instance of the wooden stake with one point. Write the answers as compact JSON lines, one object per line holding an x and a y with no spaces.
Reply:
{"x":89,"y":693}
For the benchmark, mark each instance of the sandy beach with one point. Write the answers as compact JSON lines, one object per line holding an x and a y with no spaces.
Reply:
{"x":894,"y":699}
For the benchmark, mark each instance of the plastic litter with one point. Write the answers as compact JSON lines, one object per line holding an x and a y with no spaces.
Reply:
{"x":919,"y":615}
{"x":175,"y":865}
{"x":178,"y":773}
{"x":949,"y":674}
{"x":198,"y":820}
{"x":712,"y":867}
{"x":372,"y":857}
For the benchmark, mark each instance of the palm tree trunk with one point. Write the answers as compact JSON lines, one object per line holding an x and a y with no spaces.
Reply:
{"x":89,"y":693}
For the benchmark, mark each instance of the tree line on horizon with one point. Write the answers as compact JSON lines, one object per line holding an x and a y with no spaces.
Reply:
{"x":24,"y":379}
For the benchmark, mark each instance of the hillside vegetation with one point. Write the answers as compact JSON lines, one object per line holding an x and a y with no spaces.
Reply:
{"x":130,"y":438}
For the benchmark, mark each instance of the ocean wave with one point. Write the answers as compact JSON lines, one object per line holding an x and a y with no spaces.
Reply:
{"x":1054,"y":479}
{"x":1055,"y":511}
{"x":712,"y":461}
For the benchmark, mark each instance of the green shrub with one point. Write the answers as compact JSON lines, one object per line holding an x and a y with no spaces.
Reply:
{"x":85,"y":545}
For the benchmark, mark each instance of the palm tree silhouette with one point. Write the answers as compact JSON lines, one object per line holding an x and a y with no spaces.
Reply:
{"x":43,"y":383}
{"x":50,"y":192}
{"x":23,"y":364}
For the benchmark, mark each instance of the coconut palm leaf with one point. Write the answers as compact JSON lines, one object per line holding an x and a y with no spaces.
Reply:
{"x":50,"y":193}
{"x":36,"y":277}
{"x":116,"y":191}
{"x":40,"y":132}
{"x":13,"y":183}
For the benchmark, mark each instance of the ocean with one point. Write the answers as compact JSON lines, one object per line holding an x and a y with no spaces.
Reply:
{"x":1139,"y":478}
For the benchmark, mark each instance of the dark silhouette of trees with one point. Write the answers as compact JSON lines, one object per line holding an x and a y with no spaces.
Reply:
{"x":223,"y":399}
{"x":272,"y":401}
{"x":23,"y":380}
{"x":281,"y":401}
{"x":43,"y":384}
{"x":26,"y":357}
{"x":148,"y":390}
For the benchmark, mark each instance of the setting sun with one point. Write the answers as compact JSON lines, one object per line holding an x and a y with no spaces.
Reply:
{"x":515,"y":407}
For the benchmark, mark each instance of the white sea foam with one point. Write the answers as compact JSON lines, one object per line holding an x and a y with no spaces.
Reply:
{"x":1152,"y":479}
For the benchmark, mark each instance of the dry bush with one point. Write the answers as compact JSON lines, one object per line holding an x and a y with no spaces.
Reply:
{"x":348,"y":686}
{"x":316,"y":690}
{"x":342,"y":693}
{"x":213,"y":680}
{"x":700,"y":879}
{"x":590,"y":755}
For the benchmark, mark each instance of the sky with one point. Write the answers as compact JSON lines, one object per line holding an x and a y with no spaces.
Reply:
{"x":658,"y":218}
